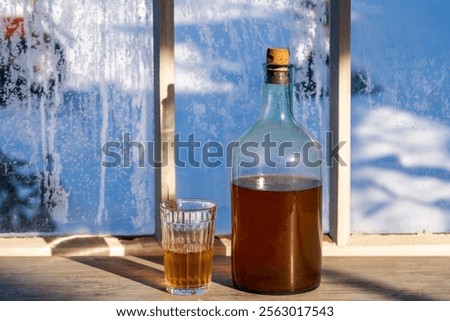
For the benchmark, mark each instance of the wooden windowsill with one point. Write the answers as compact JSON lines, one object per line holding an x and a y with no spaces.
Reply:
{"x":132,"y":269}
{"x":83,"y":245}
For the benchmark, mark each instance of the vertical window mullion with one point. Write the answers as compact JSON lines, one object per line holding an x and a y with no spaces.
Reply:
{"x":340,"y":99}
{"x":164,"y":105}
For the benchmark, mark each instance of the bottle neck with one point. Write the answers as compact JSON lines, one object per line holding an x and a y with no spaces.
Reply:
{"x":277,"y":93}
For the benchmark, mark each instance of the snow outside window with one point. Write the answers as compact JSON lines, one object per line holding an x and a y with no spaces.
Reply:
{"x":400,"y":116}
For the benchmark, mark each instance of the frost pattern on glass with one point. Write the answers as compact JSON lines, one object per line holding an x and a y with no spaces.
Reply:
{"x":219,"y":48}
{"x":400,"y":116}
{"x":74,"y":76}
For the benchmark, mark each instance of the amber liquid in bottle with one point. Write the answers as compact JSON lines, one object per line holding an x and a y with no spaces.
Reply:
{"x":277,"y":233}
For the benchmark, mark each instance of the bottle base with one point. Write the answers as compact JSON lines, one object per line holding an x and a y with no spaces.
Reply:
{"x":277,"y":292}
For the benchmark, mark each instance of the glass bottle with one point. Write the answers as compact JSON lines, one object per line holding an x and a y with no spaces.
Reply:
{"x":276,"y":194}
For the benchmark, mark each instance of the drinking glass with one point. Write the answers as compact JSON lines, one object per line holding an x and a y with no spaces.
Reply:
{"x":187,"y":239}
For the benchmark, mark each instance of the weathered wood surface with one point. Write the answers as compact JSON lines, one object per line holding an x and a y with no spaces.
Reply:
{"x":141,"y":278}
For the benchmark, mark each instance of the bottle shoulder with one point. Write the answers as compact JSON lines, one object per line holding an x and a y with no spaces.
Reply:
{"x":278,"y":131}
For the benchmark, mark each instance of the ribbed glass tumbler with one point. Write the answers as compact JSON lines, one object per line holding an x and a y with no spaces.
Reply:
{"x":187,"y":227}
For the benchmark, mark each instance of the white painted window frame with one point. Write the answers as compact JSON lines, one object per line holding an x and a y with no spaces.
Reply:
{"x":340,"y":241}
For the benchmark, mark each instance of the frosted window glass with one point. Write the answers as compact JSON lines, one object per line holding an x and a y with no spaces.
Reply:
{"x":400,"y":116}
{"x":75,"y":77}
{"x":219,"y":50}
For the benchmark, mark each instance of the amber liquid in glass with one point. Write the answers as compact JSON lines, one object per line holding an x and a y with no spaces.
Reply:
{"x":277,"y":233}
{"x":188,"y":270}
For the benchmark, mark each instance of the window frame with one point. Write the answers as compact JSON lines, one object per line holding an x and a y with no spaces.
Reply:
{"x":340,"y":241}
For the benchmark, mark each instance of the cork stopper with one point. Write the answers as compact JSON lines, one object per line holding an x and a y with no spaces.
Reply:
{"x":277,"y":56}
{"x":277,"y":66}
